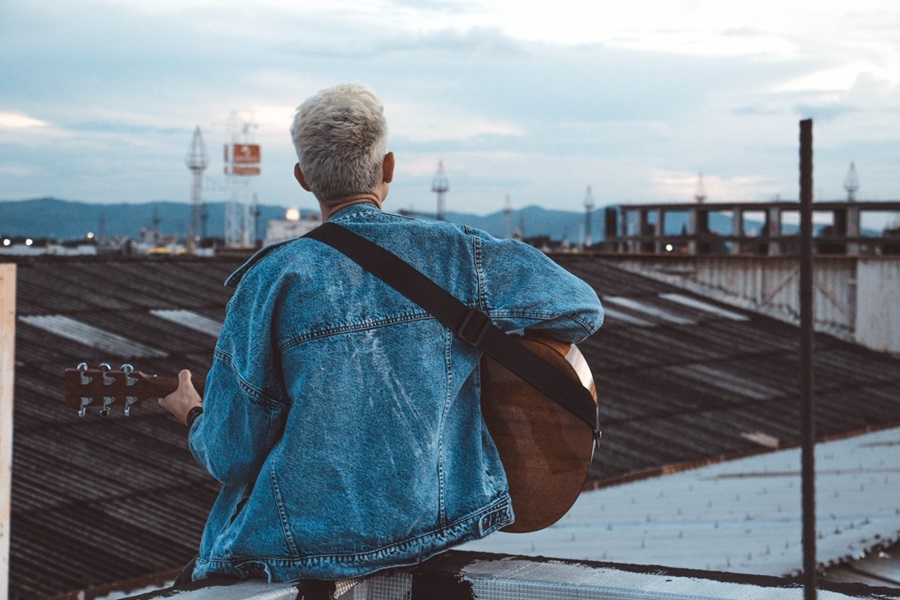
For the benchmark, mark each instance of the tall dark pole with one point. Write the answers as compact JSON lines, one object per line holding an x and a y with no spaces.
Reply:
{"x":807,"y":340}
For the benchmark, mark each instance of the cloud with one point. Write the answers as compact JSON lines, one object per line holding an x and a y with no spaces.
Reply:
{"x":434,"y":123}
{"x":517,"y":97}
{"x":17,"y":170}
{"x":17,"y":120}
{"x":824,"y":111}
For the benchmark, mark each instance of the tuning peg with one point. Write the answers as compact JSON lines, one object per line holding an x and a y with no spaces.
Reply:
{"x":84,"y":404}
{"x":104,"y":410}
{"x":82,"y":368}
{"x":127,"y":369}
{"x":106,"y":368}
{"x":129,"y":402}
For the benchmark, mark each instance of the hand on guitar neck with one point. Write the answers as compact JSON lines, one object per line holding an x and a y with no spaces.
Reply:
{"x":183,"y":399}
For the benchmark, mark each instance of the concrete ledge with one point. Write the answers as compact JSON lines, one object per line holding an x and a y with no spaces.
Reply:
{"x":459,"y":575}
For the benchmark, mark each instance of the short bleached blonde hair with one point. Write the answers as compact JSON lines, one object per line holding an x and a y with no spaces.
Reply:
{"x":340,"y":135}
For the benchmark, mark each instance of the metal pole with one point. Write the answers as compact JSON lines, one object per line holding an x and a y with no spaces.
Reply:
{"x":7,"y":366}
{"x":807,"y":341}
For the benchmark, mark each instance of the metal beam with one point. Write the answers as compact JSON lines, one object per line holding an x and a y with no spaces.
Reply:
{"x":807,"y":339}
{"x":7,"y":371}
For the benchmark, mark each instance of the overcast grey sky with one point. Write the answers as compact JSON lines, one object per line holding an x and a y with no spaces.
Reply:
{"x":537,"y":100}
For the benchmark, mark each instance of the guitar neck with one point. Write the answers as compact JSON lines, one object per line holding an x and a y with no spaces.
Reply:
{"x":158,"y":386}
{"x":106,"y":388}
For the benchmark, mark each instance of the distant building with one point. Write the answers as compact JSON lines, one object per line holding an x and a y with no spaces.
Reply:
{"x":748,"y":228}
{"x":292,"y":226}
{"x":31,"y":247}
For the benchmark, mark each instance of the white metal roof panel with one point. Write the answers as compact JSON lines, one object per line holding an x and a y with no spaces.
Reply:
{"x":648,"y":309}
{"x":191,"y":320}
{"x":704,"y":306}
{"x":613,"y":316}
{"x":741,"y":516}
{"x":91,"y":336}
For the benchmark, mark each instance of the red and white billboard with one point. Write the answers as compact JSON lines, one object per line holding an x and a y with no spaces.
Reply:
{"x":245,"y":154}
{"x":241,"y":170}
{"x":244,"y":159}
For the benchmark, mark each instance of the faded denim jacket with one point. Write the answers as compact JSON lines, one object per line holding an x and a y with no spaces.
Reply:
{"x":349,"y":417}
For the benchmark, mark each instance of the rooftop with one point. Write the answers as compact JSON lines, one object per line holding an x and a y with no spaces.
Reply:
{"x":683,"y":381}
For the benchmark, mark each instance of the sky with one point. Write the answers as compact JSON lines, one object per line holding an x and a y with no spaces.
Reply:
{"x":524,"y":102}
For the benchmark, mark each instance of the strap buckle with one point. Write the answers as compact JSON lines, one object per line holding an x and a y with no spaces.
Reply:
{"x":473,"y":327}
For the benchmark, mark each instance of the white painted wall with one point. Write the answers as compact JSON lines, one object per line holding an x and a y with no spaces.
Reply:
{"x":856,"y":299}
{"x":878,"y":304}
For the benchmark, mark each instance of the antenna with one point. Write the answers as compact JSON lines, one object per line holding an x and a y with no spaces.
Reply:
{"x":440,"y":185}
{"x":255,"y":212}
{"x":851,"y":183}
{"x":196,"y":161}
{"x":700,"y":193}
{"x":507,"y":216}
{"x":588,"y":207}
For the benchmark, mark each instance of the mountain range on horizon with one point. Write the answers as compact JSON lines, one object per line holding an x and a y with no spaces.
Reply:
{"x":72,"y":220}
{"x":68,"y":220}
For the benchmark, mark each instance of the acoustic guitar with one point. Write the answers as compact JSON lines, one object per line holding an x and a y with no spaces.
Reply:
{"x":545,"y":449}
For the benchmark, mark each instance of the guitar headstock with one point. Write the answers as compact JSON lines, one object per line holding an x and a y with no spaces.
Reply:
{"x":104,"y":387}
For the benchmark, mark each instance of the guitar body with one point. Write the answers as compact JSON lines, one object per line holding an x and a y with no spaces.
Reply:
{"x":546,"y":450}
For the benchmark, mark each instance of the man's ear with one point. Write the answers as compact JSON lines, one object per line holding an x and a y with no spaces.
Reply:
{"x":388,"y":167}
{"x":298,"y":174}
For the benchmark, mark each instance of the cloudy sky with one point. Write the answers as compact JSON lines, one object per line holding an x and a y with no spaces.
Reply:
{"x":534,"y":100}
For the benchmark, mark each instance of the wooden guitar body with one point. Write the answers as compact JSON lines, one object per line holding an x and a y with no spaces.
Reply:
{"x":546,"y":450}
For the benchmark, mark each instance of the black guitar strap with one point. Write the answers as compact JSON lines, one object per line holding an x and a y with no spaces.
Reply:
{"x":469,"y":324}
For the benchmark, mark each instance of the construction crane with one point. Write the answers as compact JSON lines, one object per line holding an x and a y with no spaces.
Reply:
{"x":197,"y":161}
{"x":242,"y":164}
{"x":440,"y":185}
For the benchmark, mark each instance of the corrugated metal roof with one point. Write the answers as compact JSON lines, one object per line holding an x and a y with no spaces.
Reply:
{"x":98,"y":339}
{"x":740,"y":516}
{"x":705,"y":306}
{"x":101,"y":500}
{"x":191,"y":320}
{"x":649,"y":309}
{"x":689,"y":392}
{"x":110,"y":499}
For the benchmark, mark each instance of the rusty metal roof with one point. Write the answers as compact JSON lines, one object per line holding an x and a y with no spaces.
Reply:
{"x":682,"y":380}
{"x":697,"y":381}
{"x":101,"y":500}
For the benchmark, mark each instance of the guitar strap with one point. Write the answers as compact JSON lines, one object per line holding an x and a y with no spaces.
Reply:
{"x":469,"y":324}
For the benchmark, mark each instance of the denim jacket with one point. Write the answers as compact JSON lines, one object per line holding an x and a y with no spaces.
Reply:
{"x":343,"y":421}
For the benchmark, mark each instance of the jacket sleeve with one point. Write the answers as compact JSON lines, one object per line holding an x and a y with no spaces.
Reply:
{"x":523,"y":288}
{"x":242,"y":411}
